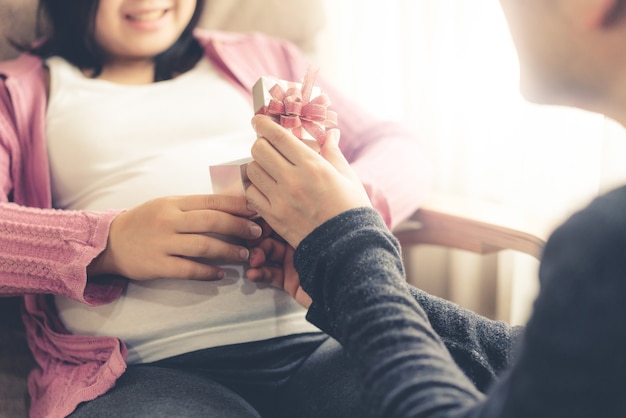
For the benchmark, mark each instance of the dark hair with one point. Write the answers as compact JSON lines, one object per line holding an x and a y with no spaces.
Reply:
{"x":70,"y":26}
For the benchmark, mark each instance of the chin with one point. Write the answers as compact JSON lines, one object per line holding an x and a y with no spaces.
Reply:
{"x":531,"y":93}
{"x":559,"y":93}
{"x":541,"y":93}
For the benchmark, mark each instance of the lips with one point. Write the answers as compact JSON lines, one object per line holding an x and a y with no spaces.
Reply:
{"x":146,"y":16}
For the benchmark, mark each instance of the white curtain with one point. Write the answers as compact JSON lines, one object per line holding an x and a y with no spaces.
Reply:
{"x":448,"y":69}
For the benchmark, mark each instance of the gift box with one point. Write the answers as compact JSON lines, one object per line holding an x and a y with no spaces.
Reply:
{"x":300,"y":107}
{"x":230,"y":178}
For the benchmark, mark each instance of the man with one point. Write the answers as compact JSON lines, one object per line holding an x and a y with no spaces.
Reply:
{"x":571,"y":360}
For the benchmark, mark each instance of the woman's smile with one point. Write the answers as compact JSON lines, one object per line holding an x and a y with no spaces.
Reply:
{"x":147,"y":19}
{"x":141,"y":29}
{"x":148,"y":15}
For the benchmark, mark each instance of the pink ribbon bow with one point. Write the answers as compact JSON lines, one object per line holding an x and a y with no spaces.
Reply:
{"x":293,"y":109}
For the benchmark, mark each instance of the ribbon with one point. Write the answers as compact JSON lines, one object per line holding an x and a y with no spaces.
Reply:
{"x":294,"y":109}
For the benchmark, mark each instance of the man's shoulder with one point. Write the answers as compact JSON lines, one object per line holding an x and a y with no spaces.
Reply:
{"x":611,"y":207}
{"x":591,"y":233}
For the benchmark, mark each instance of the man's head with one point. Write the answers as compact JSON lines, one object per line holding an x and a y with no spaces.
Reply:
{"x":571,"y":52}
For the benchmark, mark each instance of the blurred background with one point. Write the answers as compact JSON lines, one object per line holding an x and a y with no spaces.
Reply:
{"x":448,"y":69}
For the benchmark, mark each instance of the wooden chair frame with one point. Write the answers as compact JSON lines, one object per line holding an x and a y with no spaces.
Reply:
{"x":473,"y":226}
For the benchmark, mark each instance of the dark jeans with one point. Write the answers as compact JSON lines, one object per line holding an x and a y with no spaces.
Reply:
{"x":303,"y":375}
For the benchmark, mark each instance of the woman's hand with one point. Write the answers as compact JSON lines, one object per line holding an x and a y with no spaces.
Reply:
{"x":271,"y":262}
{"x":167,"y":238}
{"x":293,"y":188}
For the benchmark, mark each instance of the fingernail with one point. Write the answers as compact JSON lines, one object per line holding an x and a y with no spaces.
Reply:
{"x":244,"y":254}
{"x":220,"y":274}
{"x":255,"y":231}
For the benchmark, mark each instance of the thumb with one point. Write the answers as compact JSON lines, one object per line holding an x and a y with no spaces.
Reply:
{"x":331,"y":152}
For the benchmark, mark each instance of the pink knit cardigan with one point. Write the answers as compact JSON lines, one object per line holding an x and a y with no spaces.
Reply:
{"x":44,"y":251}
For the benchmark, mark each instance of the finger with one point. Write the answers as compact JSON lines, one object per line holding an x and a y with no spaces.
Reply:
{"x":267,"y":229}
{"x":272,"y":250}
{"x":266,"y":274}
{"x":331,"y":153}
{"x":198,"y":221}
{"x":303,"y":298}
{"x":292,"y":285}
{"x":260,"y":178}
{"x":269,"y":158}
{"x":266,"y":232}
{"x":257,"y":257}
{"x":207,"y":247}
{"x":257,"y":200}
{"x":275,"y":250}
{"x":235,"y":205}
{"x":185,"y":269}
{"x":281,"y":139}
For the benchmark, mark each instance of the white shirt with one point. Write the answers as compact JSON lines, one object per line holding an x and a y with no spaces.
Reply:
{"x":117,"y":146}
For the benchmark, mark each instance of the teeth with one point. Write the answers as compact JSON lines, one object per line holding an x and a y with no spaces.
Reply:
{"x":142,"y":17}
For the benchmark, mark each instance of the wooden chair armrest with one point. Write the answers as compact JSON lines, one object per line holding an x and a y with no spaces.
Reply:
{"x":474,"y":226}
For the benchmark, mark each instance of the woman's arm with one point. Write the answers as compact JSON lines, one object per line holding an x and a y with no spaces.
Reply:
{"x":47,"y":251}
{"x":54,"y":251}
{"x":42,"y":250}
{"x":51,"y":251}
